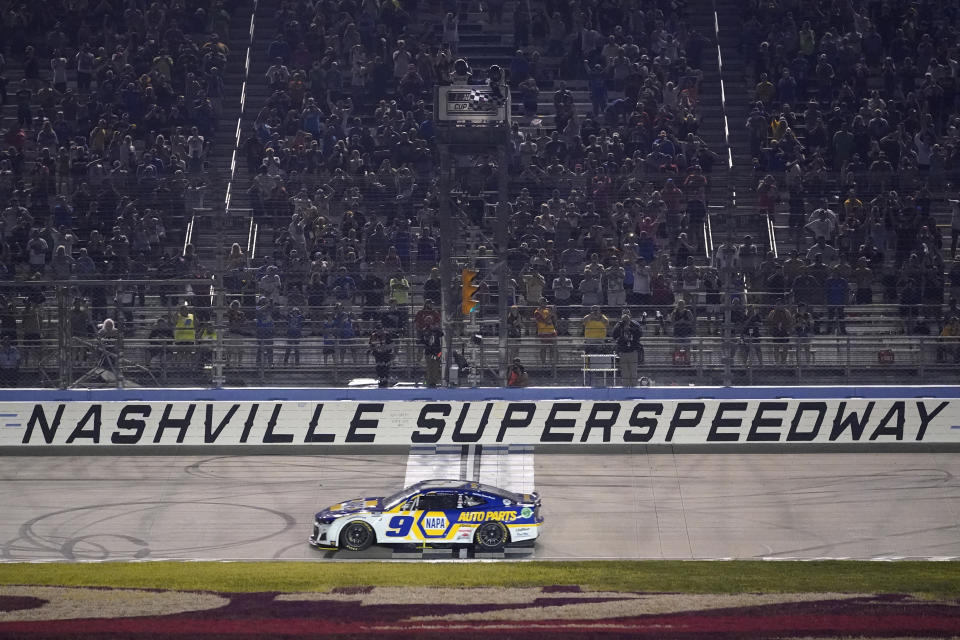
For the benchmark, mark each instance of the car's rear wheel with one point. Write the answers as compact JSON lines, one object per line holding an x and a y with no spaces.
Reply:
{"x":491,"y":536}
{"x":357,"y":536}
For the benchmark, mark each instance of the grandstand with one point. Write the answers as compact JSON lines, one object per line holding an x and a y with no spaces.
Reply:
{"x":252,"y":191}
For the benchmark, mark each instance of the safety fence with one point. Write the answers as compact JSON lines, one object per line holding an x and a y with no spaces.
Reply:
{"x":118,"y":361}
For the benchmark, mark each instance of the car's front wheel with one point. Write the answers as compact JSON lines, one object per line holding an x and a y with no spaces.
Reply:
{"x":357,"y":536}
{"x":491,"y":536}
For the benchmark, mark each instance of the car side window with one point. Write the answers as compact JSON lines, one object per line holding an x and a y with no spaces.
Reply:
{"x":438,"y":502}
{"x":470,"y":501}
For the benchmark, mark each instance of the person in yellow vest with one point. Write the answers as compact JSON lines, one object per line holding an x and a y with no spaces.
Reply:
{"x":546,"y":319}
{"x":184,"y":331}
{"x":595,"y":326}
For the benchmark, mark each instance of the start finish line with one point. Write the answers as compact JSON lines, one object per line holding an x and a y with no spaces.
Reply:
{"x":275,"y":418}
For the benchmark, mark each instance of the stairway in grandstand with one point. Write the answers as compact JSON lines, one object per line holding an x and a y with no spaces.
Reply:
{"x":217,"y":170}
{"x":206,"y":237}
{"x":738,"y":90}
{"x":255,"y":241}
{"x":713,"y":121}
{"x":739,"y":85}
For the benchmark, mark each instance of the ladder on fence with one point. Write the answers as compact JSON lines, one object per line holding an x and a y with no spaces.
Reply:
{"x":599,"y":364}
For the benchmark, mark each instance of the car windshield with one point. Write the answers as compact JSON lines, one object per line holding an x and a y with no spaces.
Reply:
{"x":391,"y":501}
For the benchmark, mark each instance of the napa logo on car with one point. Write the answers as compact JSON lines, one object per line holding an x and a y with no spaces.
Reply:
{"x":434,"y":523}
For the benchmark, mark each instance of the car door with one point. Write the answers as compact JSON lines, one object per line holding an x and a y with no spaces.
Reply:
{"x":398,"y":525}
{"x":470,"y":514}
{"x":437,"y":513}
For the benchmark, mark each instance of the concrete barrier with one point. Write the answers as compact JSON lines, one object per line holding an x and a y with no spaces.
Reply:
{"x":276,"y":419}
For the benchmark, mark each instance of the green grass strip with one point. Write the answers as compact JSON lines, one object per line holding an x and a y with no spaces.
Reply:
{"x":931,"y":579}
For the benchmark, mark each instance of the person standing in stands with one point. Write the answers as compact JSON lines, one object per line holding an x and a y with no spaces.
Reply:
{"x":9,"y":363}
{"x":595,"y":329}
{"x":837,"y":291}
{"x":184,"y":332}
{"x":949,"y":350}
{"x":683,"y":321}
{"x":400,"y":288}
{"x":431,"y":337}
{"x":381,"y":346}
{"x":517,"y":375}
{"x":626,"y":335}
{"x":615,"y":276}
{"x":546,"y":319}
{"x":420,"y":320}
{"x":595,"y":326}
{"x":780,"y":324}
{"x":863,"y":279}
{"x":803,"y":327}
{"x":750,"y":337}
{"x":562,"y":288}
{"x":265,"y":332}
{"x":295,"y":322}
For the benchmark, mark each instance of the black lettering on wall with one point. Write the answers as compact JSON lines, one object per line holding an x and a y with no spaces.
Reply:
{"x":897,"y":410}
{"x":358,"y":423}
{"x":248,"y":423}
{"x":927,"y":418}
{"x":93,"y":413}
{"x":459,"y":435}
{"x":549,"y":433}
{"x":720,"y":422}
{"x":761,"y":422}
{"x":180,"y":424}
{"x":210,"y":434}
{"x":136,"y":426}
{"x":596,"y":422}
{"x":509,"y":422}
{"x":649,"y":425}
{"x":841,"y":422}
{"x":425,"y":424}
{"x":271,"y":436}
{"x":312,"y":435}
{"x":39,"y":416}
{"x":795,"y":435}
{"x":679,"y":422}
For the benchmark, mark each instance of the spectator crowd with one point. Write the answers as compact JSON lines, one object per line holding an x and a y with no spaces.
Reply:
{"x":115,"y":106}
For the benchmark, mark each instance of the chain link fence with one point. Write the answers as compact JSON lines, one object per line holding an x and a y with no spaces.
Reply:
{"x":188,"y":333}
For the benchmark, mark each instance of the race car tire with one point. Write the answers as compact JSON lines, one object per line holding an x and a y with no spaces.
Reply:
{"x":491,"y":536}
{"x":357,"y":536}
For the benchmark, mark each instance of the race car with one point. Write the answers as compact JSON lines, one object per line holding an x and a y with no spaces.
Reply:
{"x":432,"y":512}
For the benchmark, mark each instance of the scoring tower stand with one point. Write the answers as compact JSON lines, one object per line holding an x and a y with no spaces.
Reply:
{"x":472,"y":120}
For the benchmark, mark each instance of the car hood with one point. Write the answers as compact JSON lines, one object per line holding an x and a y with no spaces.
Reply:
{"x":352,"y":506}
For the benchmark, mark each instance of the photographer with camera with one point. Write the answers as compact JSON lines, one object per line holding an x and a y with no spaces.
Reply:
{"x":431,"y":337}
{"x":381,"y":346}
{"x":517,"y":375}
{"x":626,"y":336}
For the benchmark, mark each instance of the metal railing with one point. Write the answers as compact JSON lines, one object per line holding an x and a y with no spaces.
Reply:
{"x":318,"y":360}
{"x":54,"y":334}
{"x":252,"y":233}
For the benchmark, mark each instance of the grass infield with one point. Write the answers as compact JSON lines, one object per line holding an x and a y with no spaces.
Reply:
{"x":928,"y":579}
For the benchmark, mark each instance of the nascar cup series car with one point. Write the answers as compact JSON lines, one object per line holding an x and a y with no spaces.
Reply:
{"x":434,"y":512}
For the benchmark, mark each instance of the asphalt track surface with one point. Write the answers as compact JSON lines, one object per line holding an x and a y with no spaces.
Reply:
{"x":612,"y":505}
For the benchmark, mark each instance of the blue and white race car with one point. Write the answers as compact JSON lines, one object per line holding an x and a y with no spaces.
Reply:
{"x":434,"y":512}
